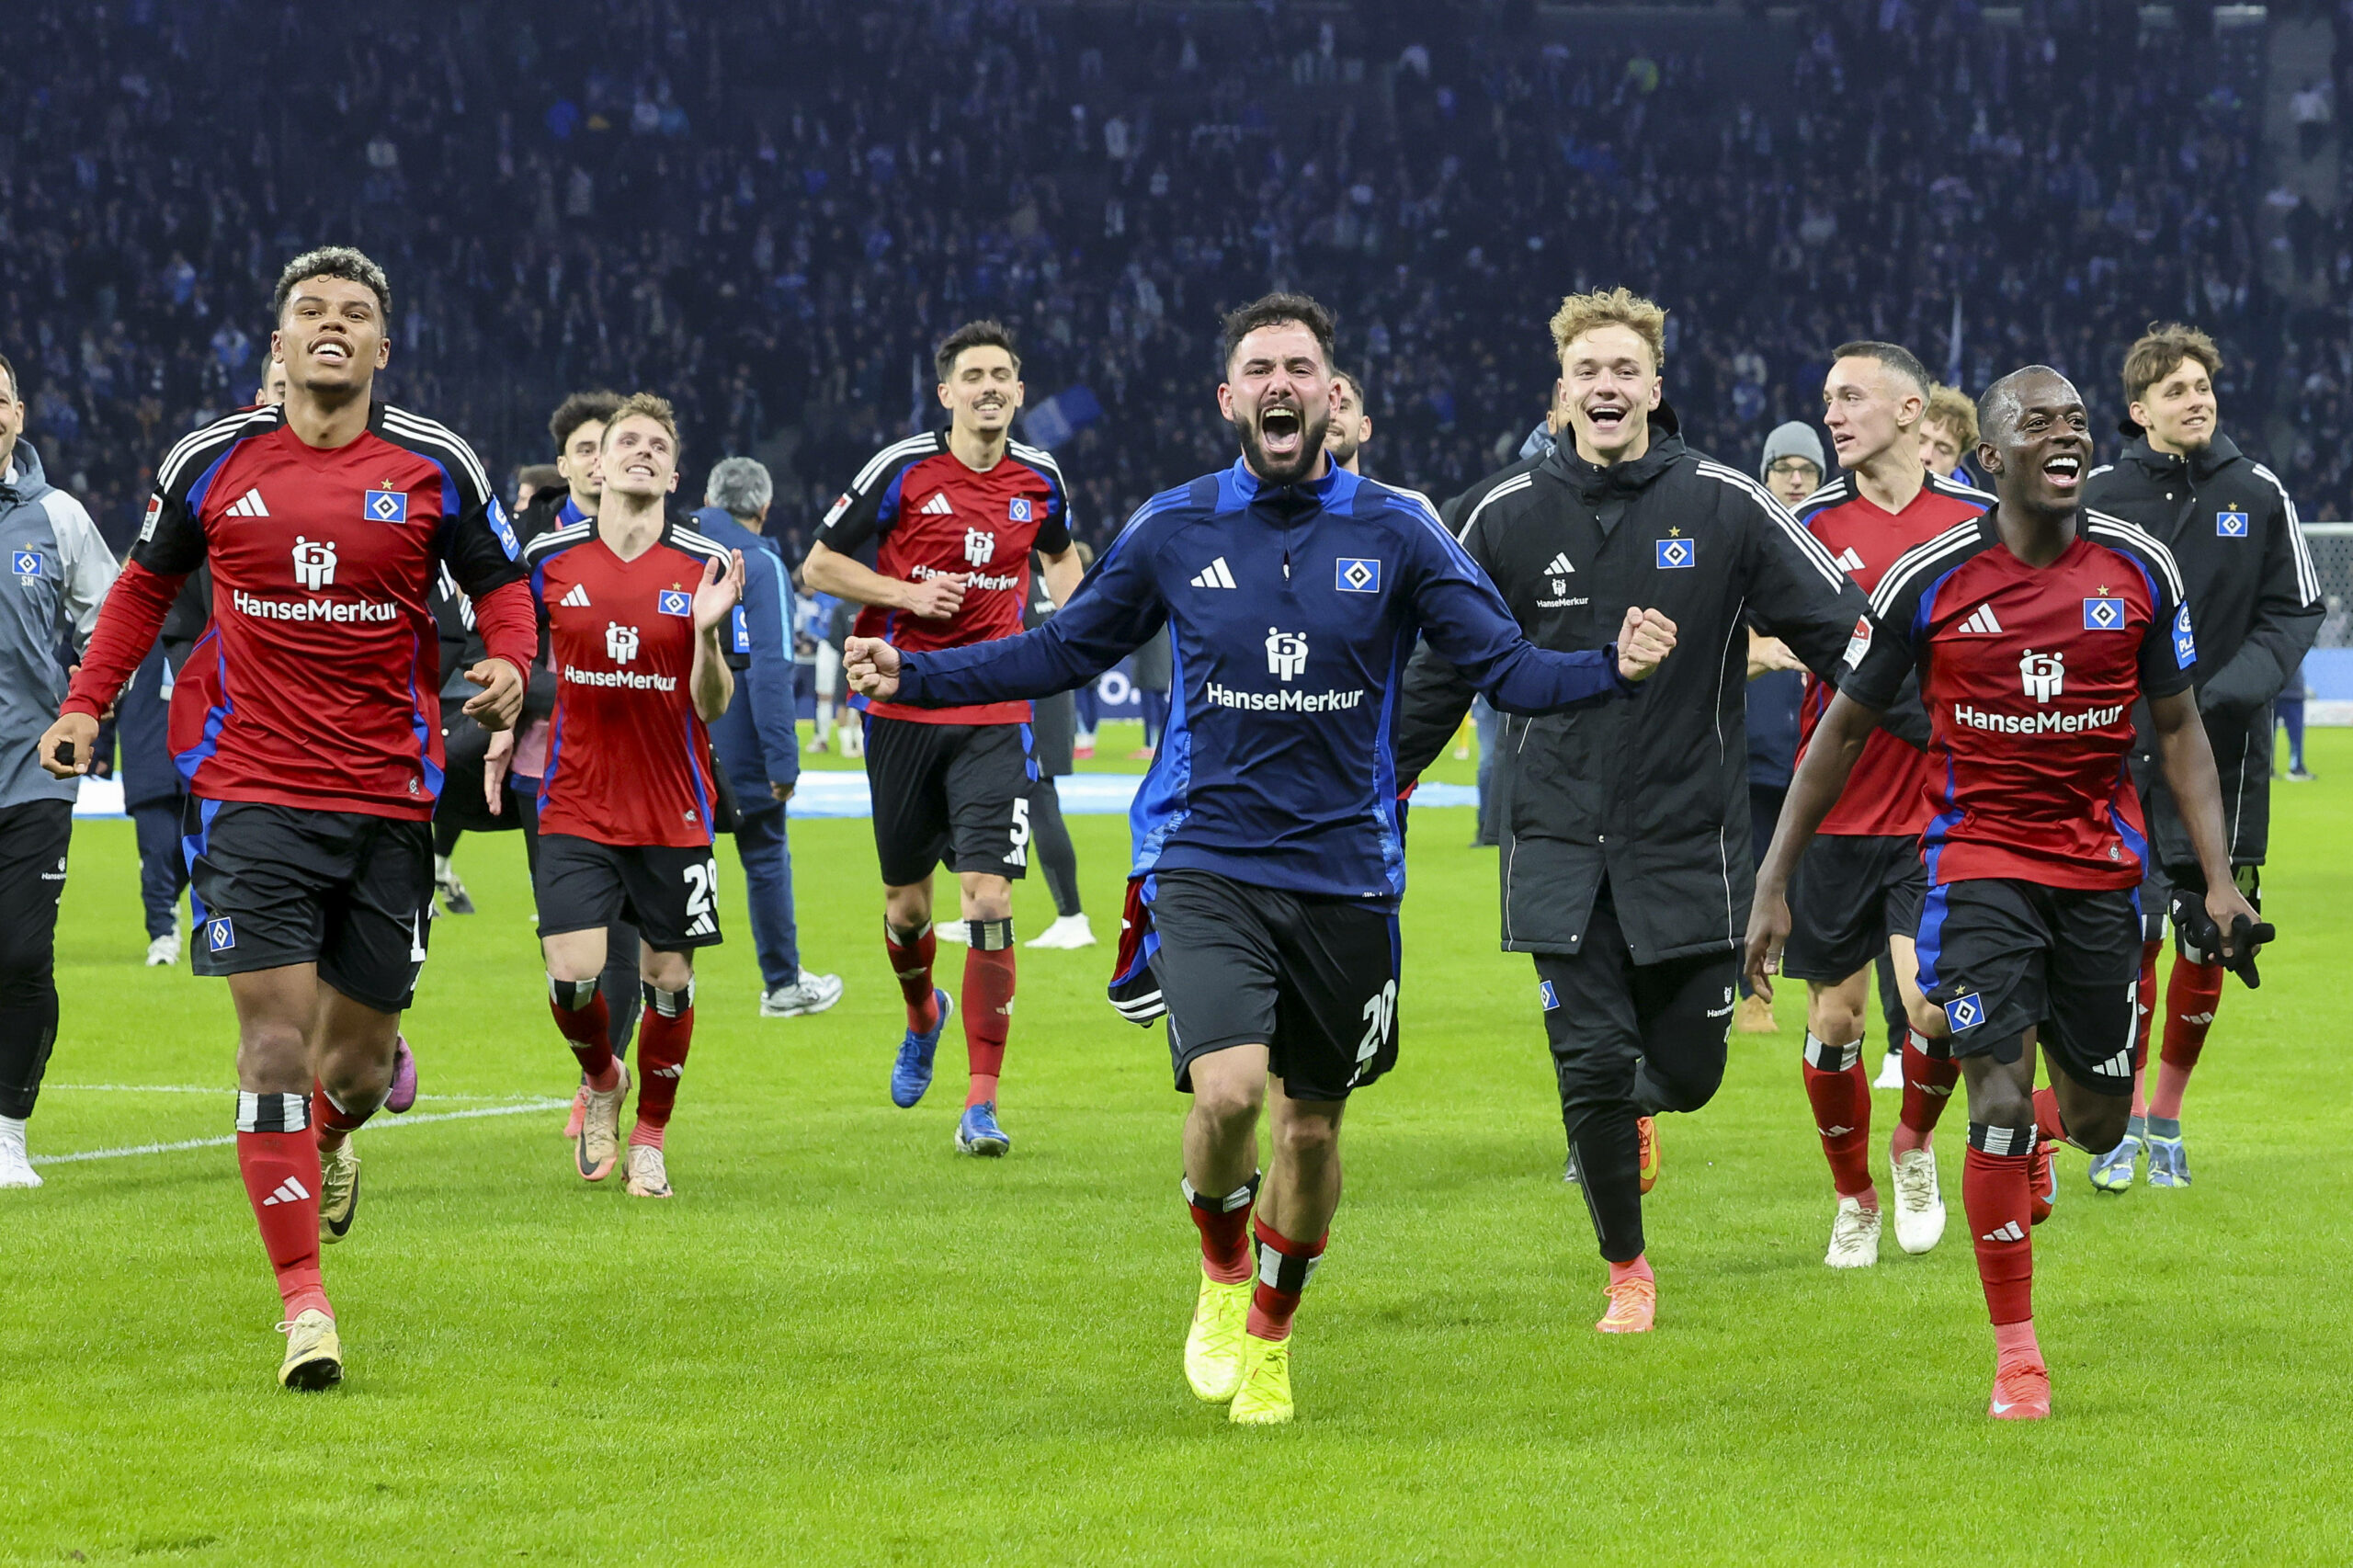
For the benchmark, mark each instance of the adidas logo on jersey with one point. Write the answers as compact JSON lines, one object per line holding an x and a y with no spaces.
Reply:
{"x":249,"y":504}
{"x":2116,"y":1066}
{"x":577,"y":598}
{"x":937,"y":505}
{"x":2007,"y":1232}
{"x":1848,"y":561}
{"x":1559,"y":566}
{"x":1981,"y":620}
{"x":288,"y":1192}
{"x":1214,"y":576}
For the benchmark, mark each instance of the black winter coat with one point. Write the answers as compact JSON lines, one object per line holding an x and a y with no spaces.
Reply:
{"x":2255,"y":607}
{"x":1651,"y":793}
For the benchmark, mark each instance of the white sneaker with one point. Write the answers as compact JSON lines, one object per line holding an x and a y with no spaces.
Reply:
{"x":163,"y":951}
{"x":952,"y":931}
{"x":16,"y":1170}
{"x":810,"y":994}
{"x":1068,"y":931}
{"x":1891,"y":1072}
{"x":1854,"y":1236}
{"x":1919,"y":1207}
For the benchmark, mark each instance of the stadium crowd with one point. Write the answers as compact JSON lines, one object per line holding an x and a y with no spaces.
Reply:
{"x":643,"y":193}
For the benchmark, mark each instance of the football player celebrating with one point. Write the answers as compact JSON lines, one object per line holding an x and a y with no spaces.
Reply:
{"x":1269,"y":861}
{"x":310,"y":742}
{"x":1857,"y":893}
{"x":2257,"y":601}
{"x":634,"y":606}
{"x":952,"y":519}
{"x":2034,"y":628}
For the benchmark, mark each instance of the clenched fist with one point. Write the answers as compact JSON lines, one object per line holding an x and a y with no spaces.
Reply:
{"x":1646,"y":638}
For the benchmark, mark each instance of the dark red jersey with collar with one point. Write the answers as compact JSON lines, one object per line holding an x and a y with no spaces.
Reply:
{"x":1887,"y":795}
{"x":317,"y":684}
{"x":929,"y":515}
{"x":629,"y":761}
{"x":2029,"y":675}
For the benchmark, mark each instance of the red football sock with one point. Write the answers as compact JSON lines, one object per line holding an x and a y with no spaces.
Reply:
{"x":1993,"y":1195}
{"x":587,"y":1028}
{"x":1284,"y":1268}
{"x":1640,"y":1268}
{"x":2047,"y":1120}
{"x":911,"y":956}
{"x":1841,"y":1098}
{"x":332,"y":1122}
{"x":664,"y":1035}
{"x":1225,"y":1224}
{"x":1929,"y":1075}
{"x":2192,"y":997}
{"x":988,"y":1011}
{"x":281,"y":1167}
{"x":2016,"y":1342}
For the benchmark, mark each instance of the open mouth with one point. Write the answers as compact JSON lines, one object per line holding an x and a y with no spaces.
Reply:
{"x":989,"y":404}
{"x":2063,"y":472}
{"x":1607,"y":417}
{"x":1279,"y":430}
{"x":333,"y":350}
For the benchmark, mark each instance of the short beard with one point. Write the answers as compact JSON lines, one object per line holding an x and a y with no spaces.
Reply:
{"x":1344,"y":452}
{"x":1311,"y":448}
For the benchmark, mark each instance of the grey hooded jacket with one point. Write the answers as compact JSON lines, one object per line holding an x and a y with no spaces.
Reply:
{"x":57,"y":569}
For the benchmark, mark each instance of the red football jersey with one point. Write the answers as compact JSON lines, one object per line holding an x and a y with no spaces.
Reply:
{"x":932,"y":516}
{"x":317,"y":684}
{"x":1887,"y":795}
{"x":2029,"y":674}
{"x":629,"y":761}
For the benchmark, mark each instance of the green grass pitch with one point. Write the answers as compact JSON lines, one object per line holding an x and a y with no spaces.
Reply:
{"x":843,"y":1343}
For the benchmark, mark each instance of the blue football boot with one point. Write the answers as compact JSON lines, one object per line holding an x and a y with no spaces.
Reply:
{"x":2169,"y":1162}
{"x":2112,"y":1172}
{"x":911,"y":1074}
{"x":978,"y":1132}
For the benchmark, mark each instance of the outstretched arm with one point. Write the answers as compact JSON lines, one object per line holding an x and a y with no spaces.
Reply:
{"x":1115,"y":611}
{"x":1821,"y":777}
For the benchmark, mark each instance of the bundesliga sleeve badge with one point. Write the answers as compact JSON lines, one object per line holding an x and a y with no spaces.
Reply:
{"x":674,"y":601}
{"x":1858,"y":642}
{"x":2184,"y":643}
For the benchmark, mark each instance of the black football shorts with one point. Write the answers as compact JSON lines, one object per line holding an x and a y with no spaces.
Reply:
{"x":1314,"y":980}
{"x":2001,"y":957}
{"x":670,"y":894}
{"x":276,"y":885}
{"x":956,"y":795}
{"x":1850,"y":893}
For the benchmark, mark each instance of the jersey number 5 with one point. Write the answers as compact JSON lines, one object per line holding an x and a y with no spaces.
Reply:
{"x":1020,"y":853}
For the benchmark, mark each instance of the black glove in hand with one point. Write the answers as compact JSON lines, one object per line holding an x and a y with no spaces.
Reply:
{"x":2247,"y":937}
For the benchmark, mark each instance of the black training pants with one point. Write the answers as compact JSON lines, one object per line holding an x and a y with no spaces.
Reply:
{"x":163,"y":863}
{"x":1049,"y":837}
{"x":1630,"y":1040}
{"x":33,"y":840}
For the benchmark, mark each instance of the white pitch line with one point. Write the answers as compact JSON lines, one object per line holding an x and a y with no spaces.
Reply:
{"x":231,"y":1092}
{"x":125,"y":1153}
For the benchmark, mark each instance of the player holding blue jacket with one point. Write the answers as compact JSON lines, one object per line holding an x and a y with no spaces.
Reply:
{"x":1269,"y":857}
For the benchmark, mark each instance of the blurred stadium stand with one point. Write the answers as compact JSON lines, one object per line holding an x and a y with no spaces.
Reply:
{"x":769,"y":211}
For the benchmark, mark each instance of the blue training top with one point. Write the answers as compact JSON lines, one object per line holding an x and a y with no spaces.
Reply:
{"x":1292,"y":611}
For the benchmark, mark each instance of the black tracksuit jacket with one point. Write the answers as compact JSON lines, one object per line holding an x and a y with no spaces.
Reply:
{"x":1651,"y":793}
{"x":2255,"y":607}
